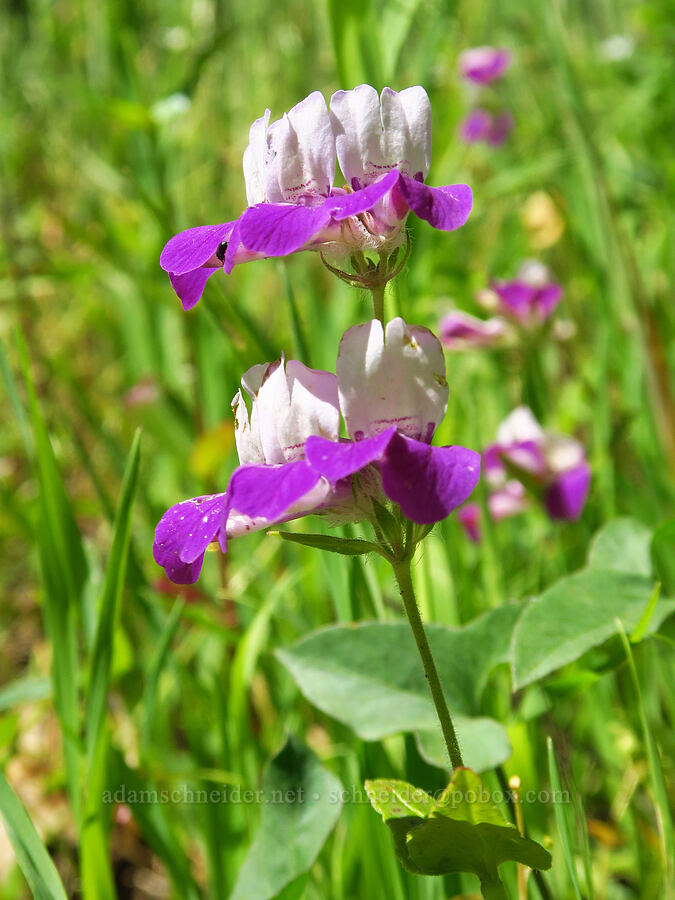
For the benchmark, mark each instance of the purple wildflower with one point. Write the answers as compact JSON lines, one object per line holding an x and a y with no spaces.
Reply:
{"x":531,"y":297}
{"x":490,"y":128}
{"x":383,"y":145}
{"x":552,"y":466}
{"x":392,"y":393}
{"x":460,"y":331}
{"x":483,"y":65}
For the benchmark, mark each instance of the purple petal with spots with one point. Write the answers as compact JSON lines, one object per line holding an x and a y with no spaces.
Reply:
{"x":566,"y":496}
{"x":337,"y":460}
{"x":278,"y":229}
{"x":190,"y":286}
{"x":445,"y":207}
{"x":428,"y":482}
{"x":269,"y":492}
{"x":183,"y":534}
{"x":192,"y":248}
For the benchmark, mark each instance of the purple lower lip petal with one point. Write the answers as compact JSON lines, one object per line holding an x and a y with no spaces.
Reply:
{"x":428,"y":482}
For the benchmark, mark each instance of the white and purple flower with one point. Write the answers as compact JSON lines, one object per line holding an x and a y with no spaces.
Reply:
{"x":483,"y":65}
{"x":526,"y":458}
{"x":392,"y":393}
{"x":383,"y":146}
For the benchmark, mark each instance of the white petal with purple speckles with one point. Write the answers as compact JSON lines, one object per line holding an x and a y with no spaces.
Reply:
{"x":391,"y":377}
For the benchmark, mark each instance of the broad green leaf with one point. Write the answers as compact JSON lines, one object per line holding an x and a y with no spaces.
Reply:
{"x":301,"y":804}
{"x":463,"y":831}
{"x":369,"y":676}
{"x":31,"y":854}
{"x":484,"y":742}
{"x":575,"y":614}
{"x":623,"y":546}
{"x":344,"y":546}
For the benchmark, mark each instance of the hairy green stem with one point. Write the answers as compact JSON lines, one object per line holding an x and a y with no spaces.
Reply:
{"x":378,"y":303}
{"x":404,"y":580}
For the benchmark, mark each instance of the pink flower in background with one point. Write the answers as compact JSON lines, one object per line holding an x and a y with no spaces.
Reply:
{"x":524,"y":303}
{"x":483,"y":65}
{"x":392,"y":393}
{"x":460,"y":331}
{"x":383,"y":146}
{"x":489,"y":128}
{"x":526,"y":458}
{"x":531,"y":297}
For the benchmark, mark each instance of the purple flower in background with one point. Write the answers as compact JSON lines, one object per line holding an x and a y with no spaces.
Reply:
{"x":383,"y":145}
{"x":531,"y":297}
{"x":551,"y":466}
{"x":392,"y":393}
{"x":486,"y":127}
{"x":483,"y":65}
{"x":460,"y":331}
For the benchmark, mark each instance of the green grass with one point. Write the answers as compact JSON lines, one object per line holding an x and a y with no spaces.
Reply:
{"x":161,"y":689}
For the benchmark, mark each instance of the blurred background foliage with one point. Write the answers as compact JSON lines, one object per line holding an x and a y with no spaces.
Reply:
{"x":124,"y":122}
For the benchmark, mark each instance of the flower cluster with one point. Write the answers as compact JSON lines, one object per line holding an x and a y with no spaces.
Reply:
{"x":391,"y":391}
{"x":383,"y":147}
{"x":481,"y":67}
{"x":528,"y":461}
{"x":524,"y":304}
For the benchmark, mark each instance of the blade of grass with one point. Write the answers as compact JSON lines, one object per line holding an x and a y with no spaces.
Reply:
{"x":31,"y":854}
{"x":97,"y":880}
{"x":64,"y":574}
{"x":561,"y":818}
{"x":662,"y":809}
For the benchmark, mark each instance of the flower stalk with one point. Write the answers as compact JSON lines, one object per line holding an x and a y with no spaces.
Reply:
{"x":404,"y":580}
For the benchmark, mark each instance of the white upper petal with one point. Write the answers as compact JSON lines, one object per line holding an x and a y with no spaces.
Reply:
{"x":290,"y":402}
{"x":255,"y":157}
{"x":563,"y":453}
{"x":313,"y":409}
{"x":520,"y":425}
{"x":374,"y":135}
{"x":246,"y":431}
{"x":393,"y":377}
{"x":301,"y":152}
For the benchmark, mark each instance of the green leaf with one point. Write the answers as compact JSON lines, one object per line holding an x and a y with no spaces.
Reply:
{"x":575,"y":614}
{"x":461,"y":832}
{"x":483,"y":741}
{"x":344,"y":546}
{"x":31,"y":854}
{"x":301,"y":804}
{"x":623,"y":545}
{"x":369,"y":676}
